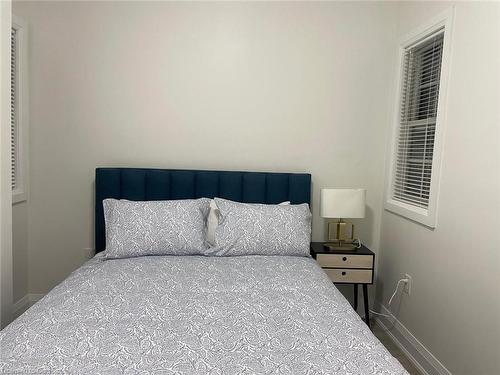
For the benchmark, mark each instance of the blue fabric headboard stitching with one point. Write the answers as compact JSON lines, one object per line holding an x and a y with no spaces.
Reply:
{"x":141,"y":184}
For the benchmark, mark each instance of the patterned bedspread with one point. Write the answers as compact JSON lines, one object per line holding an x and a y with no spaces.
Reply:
{"x":194,"y":315}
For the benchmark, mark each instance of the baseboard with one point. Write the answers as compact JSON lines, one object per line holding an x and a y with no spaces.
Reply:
{"x":416,"y":352}
{"x":25,"y":303}
{"x":20,"y":306}
{"x":35,"y":297}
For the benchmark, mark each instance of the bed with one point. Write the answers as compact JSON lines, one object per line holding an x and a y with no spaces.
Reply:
{"x":194,"y":314}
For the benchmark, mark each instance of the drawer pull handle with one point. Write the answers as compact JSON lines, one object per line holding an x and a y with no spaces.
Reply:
{"x":343,"y":273}
{"x":344,"y":259}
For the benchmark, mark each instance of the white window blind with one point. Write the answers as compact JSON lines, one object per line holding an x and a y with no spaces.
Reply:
{"x":421,"y":73}
{"x":14,"y":128}
{"x":19,"y":116}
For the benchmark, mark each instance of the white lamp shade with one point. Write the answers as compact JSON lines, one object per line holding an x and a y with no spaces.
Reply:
{"x":342,"y":203}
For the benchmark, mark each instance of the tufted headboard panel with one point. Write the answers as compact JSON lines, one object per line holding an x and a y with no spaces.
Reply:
{"x":163,"y":184}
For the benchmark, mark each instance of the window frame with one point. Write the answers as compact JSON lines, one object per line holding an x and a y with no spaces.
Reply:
{"x":21,"y":192}
{"x":426,"y":216}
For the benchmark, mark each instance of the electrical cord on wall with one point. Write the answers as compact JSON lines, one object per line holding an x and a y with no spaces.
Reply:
{"x":404,"y":280}
{"x":357,"y":243}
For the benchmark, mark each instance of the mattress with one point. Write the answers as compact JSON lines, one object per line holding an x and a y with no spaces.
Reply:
{"x":194,"y":315}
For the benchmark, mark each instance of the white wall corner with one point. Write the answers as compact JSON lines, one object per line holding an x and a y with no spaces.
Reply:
{"x":416,"y":352}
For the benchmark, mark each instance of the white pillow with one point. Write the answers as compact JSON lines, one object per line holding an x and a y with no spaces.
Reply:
{"x":213,"y":220}
{"x":171,"y":227}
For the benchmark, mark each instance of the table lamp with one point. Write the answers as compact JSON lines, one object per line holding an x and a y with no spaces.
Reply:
{"x":342,"y":204}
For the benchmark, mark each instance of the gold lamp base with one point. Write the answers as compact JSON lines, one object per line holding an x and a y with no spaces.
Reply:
{"x":341,"y":236}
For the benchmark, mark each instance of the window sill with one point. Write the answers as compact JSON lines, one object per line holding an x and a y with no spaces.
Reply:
{"x":19,"y":197}
{"x":416,"y":214}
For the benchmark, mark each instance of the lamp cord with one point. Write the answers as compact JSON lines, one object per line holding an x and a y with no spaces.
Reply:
{"x":390,"y":302}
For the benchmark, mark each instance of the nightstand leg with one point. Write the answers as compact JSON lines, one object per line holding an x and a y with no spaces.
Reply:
{"x":355,"y":298}
{"x":365,"y":300}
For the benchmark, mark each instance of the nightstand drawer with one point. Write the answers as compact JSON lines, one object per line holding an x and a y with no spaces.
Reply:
{"x":338,"y":275}
{"x":343,"y":260}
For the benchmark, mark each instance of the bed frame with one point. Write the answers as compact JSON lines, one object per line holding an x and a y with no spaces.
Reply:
{"x":141,"y":184}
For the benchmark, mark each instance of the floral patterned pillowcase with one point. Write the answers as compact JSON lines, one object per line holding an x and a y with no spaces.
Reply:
{"x":261,"y":229}
{"x":174,"y":227}
{"x":213,"y":220}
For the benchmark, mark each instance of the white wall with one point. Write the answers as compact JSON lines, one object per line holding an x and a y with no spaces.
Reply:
{"x":245,"y":86}
{"x":454,"y":307}
{"x":20,"y":250}
{"x":5,"y":196}
{"x":277,"y":87}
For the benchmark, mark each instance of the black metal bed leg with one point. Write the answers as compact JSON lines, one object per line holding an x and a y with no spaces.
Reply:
{"x":355,"y":298}
{"x":365,"y":300}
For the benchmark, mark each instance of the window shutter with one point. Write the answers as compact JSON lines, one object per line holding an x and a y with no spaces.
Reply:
{"x":13,"y":109}
{"x":421,"y":73}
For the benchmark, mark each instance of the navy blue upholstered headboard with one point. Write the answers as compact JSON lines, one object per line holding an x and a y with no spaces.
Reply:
{"x":163,"y":184}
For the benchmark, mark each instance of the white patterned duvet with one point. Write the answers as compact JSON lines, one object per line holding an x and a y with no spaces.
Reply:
{"x":194,"y":315}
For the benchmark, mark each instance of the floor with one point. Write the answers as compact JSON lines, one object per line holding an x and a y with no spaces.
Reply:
{"x":394,"y":350}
